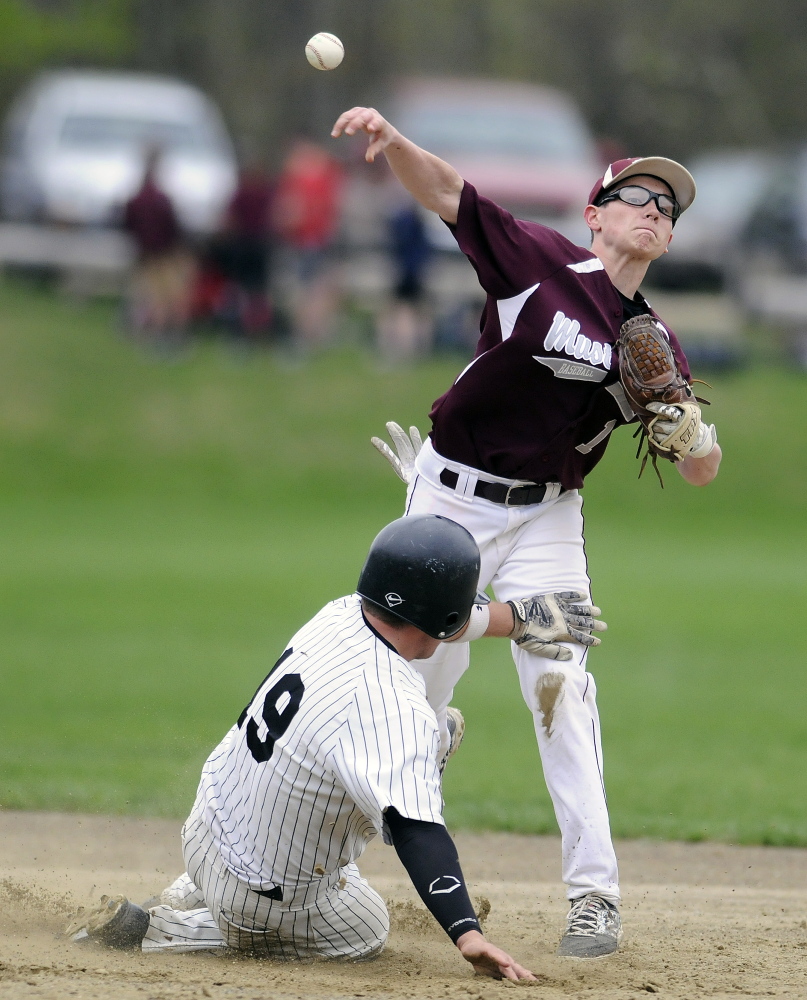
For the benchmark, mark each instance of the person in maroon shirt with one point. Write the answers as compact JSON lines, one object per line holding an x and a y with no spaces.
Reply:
{"x":245,"y":252}
{"x":514,"y":437}
{"x":161,"y":281}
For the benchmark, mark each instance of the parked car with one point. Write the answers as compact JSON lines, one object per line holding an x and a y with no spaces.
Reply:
{"x":527,"y":147}
{"x":774,"y":248}
{"x":75,"y":141}
{"x":706,"y":251}
{"x":775,"y":236}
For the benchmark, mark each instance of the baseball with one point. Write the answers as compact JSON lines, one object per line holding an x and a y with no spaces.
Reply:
{"x":324,"y":51}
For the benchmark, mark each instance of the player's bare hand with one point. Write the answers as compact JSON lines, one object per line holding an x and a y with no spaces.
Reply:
{"x":488,"y":960}
{"x":543,"y":621}
{"x":407,"y":447}
{"x":366,"y":120}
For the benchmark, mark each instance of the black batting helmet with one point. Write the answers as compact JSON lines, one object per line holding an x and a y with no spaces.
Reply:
{"x":425,"y":570}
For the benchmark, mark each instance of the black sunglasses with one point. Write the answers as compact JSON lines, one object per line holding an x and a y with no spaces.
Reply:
{"x":634,"y":194}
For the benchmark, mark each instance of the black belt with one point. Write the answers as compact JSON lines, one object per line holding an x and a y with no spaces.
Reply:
{"x":510,"y":496}
{"x":276,"y":893}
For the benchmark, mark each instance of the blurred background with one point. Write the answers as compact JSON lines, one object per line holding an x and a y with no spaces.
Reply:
{"x":207,"y":306}
{"x":272,"y":231}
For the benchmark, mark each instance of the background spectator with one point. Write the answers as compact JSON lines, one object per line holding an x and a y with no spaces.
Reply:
{"x":159,"y":298}
{"x":306,"y":216}
{"x":405,"y":326}
{"x":242,"y":254}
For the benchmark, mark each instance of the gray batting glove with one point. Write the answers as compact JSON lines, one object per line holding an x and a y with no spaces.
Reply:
{"x":407,"y":447}
{"x":545,"y":620}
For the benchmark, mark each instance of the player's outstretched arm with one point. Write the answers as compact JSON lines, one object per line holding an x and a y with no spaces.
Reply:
{"x":542,"y":621}
{"x":539,"y":623}
{"x":488,"y":960}
{"x":427,"y":852}
{"x":430,"y":180}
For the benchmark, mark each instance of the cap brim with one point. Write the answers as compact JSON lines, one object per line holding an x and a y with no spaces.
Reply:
{"x":679,"y":178}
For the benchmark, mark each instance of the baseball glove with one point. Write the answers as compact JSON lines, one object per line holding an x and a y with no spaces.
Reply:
{"x":660,"y":396}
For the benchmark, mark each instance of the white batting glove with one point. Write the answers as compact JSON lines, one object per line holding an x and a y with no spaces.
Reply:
{"x":675,"y":428}
{"x":676,"y":421}
{"x":707,"y":439}
{"x":407,"y":447}
{"x":545,"y":620}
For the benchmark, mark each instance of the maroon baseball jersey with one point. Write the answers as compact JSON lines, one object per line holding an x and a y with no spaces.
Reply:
{"x":542,"y":394}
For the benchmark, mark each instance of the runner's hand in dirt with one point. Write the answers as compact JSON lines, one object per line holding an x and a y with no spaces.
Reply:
{"x":488,"y":960}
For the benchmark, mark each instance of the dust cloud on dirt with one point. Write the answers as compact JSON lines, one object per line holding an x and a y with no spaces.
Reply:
{"x":701,"y":920}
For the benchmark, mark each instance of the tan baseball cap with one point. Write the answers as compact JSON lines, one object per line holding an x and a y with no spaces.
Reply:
{"x":681,"y":181}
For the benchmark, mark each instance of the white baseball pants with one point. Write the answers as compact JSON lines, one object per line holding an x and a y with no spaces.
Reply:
{"x":536,"y":549}
{"x":340,"y":916}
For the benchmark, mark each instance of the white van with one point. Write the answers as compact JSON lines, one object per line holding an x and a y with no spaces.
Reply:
{"x":74,"y":145}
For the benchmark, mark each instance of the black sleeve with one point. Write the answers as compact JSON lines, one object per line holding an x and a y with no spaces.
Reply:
{"x":428,"y":854}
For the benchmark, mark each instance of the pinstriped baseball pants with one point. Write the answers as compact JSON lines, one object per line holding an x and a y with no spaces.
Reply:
{"x":340,"y":916}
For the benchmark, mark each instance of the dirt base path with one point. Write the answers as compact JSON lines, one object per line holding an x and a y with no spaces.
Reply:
{"x":701,"y":920}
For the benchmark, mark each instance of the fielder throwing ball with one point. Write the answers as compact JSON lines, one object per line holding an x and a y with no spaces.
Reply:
{"x":514,"y":437}
{"x":338,"y":744}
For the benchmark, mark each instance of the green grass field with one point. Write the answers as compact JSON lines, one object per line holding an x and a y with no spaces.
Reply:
{"x":165,"y":527}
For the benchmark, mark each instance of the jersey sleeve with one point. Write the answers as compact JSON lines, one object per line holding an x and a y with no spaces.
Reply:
{"x":508,"y":255}
{"x":385,"y":754}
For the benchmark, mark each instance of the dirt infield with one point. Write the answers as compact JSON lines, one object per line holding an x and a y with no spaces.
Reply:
{"x":701,"y":920}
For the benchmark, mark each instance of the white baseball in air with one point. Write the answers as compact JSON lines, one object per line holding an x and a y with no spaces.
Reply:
{"x":324,"y":51}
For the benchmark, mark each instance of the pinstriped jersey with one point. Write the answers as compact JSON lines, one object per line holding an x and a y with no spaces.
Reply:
{"x":337,"y":732}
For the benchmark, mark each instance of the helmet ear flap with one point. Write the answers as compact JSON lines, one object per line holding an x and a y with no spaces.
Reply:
{"x":424,"y":569}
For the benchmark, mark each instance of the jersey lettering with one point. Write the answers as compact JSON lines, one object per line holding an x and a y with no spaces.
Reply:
{"x":572,"y":369}
{"x":564,"y":335}
{"x":276,"y":722}
{"x":283,"y":657}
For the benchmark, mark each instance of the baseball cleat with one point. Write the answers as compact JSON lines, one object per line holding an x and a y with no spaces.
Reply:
{"x":456,"y":730}
{"x":593,"y":928}
{"x":113,"y":921}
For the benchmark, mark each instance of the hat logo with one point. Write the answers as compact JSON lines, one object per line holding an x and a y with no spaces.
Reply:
{"x":393,"y":600}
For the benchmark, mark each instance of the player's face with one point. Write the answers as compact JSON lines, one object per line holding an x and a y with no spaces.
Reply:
{"x":636,"y":230}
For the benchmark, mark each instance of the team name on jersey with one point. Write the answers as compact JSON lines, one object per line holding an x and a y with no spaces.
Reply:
{"x":564,"y":335}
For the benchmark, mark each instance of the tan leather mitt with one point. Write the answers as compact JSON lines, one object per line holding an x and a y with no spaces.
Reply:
{"x":649,"y":374}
